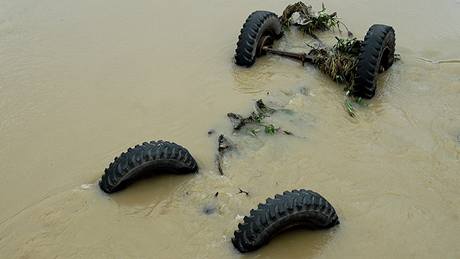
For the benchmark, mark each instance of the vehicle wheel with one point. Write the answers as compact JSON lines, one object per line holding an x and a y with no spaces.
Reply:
{"x":376,"y":55}
{"x":260,"y":29}
{"x":299,"y":208}
{"x":145,"y":159}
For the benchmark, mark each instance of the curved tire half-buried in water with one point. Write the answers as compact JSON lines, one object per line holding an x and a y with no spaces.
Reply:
{"x":145,"y":160}
{"x":295,"y":209}
{"x":260,"y":29}
{"x":376,"y":55}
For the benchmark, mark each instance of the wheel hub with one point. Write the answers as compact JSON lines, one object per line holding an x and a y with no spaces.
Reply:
{"x":265,"y":41}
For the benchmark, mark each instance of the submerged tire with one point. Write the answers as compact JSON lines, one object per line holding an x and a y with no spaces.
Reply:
{"x":258,"y":24}
{"x":145,"y":159}
{"x":299,"y":208}
{"x":376,"y":54}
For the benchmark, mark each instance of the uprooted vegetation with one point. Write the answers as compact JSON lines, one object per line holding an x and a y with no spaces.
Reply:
{"x":308,"y":20}
{"x":255,"y":121}
{"x":253,"y":124}
{"x":339,"y":61}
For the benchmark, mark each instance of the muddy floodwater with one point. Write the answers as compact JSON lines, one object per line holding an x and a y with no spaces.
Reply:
{"x":81,"y":81}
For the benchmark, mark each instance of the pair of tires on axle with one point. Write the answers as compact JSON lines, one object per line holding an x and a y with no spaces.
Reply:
{"x":294,"y":209}
{"x":376,"y":55}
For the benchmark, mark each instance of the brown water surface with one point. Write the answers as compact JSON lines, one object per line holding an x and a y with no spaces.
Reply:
{"x":81,"y":81}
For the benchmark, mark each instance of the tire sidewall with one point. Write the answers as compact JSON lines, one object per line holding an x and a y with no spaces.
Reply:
{"x":271,"y":27}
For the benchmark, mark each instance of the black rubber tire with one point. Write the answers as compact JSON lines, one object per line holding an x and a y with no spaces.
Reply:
{"x":145,"y":159}
{"x":295,"y":209}
{"x":258,"y":24}
{"x":376,"y":54}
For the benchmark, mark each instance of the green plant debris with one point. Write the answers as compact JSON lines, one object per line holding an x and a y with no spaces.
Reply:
{"x":349,"y":46}
{"x":270,"y":129}
{"x":350,"y":104}
{"x":309,"y":20}
{"x":262,"y":111}
{"x":349,"y":108}
{"x":338,"y":62}
{"x":256,"y":119}
{"x":360,"y":101}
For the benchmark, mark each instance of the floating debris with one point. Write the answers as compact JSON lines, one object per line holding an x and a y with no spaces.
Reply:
{"x":243,"y":191}
{"x":349,"y":108}
{"x":254,"y":132}
{"x":270,"y":129}
{"x":262,"y":111}
{"x":351,"y":103}
{"x":338,"y":62}
{"x":256,"y":118}
{"x":239,"y":121}
{"x":219,"y":164}
{"x":223,"y":145}
{"x":307,"y":19}
{"x":288,"y":133}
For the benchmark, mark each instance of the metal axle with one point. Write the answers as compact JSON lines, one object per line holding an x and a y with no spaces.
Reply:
{"x":303,"y":57}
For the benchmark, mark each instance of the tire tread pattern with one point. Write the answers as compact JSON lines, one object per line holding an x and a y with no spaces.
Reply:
{"x":255,"y":26}
{"x":298,"y":208}
{"x":378,"y":38}
{"x":146,"y":157}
